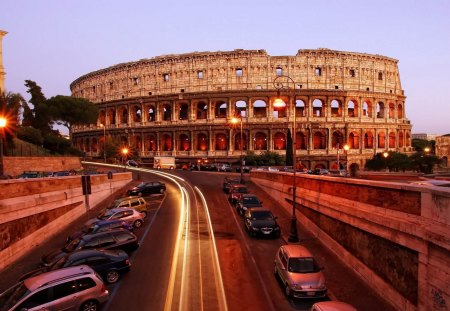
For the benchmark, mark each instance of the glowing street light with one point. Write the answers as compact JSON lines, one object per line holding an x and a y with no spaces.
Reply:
{"x":3,"y":124}
{"x":293,"y":237}
{"x":235,"y":121}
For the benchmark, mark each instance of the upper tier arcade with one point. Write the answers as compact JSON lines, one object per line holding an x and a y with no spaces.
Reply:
{"x":237,"y":70}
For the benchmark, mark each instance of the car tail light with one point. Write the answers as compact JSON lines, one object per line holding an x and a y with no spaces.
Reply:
{"x":127,"y":262}
{"x":103,"y":289}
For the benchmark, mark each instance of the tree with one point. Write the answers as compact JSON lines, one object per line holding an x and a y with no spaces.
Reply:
{"x":69,"y":111}
{"x":377,"y":163}
{"x":40,"y":117}
{"x":289,"y":150}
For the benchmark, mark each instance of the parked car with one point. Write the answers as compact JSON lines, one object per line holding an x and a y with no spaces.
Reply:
{"x":129,"y":215}
{"x":73,"y":288}
{"x":147,"y":188}
{"x":228,"y":182}
{"x":110,"y":264}
{"x":101,"y":226}
{"x":224,"y":168}
{"x":115,"y":239}
{"x":260,"y":221}
{"x":235,"y":192}
{"x":132,"y":163}
{"x":247,"y":201}
{"x":332,"y":306}
{"x":299,"y":272}
{"x":135,"y":202}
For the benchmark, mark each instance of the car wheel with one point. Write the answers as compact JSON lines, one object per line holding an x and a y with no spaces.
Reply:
{"x":138,"y":223}
{"x":112,"y":276}
{"x":287,"y":291}
{"x":90,"y":305}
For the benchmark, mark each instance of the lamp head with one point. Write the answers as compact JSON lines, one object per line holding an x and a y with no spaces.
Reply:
{"x":385,"y":154}
{"x":234,"y":120}
{"x":124,"y":151}
{"x":279,"y":103}
{"x":3,"y":122}
{"x":426,"y":149}
{"x":346,"y":147}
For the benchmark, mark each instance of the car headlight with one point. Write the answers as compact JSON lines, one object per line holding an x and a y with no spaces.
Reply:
{"x":255,"y":228}
{"x":296,"y":286}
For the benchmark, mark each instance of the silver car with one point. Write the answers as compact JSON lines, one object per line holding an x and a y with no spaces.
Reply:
{"x":332,"y":306}
{"x":74,"y":288}
{"x":299,"y":272}
{"x":129,"y":215}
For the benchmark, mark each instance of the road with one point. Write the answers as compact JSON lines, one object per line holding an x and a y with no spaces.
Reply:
{"x":195,"y":255}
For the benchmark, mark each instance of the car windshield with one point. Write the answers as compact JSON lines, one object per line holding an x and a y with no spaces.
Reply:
{"x":262,"y":215}
{"x":250,"y":200}
{"x":240,"y":190}
{"x":106,"y":214}
{"x":13,"y":295}
{"x":303,"y":265}
{"x":71,"y":246}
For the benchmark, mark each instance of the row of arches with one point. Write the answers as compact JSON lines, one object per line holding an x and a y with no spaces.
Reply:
{"x":254,"y":140}
{"x":260,"y":108}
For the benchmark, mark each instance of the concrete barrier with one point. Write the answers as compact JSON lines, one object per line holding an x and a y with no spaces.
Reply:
{"x":395,"y":236}
{"x":34,"y":210}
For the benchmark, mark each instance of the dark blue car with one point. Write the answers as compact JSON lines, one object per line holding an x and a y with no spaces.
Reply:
{"x":109,"y":264}
{"x":100,"y":226}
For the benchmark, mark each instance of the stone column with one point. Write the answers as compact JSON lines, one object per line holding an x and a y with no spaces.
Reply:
{"x":2,"y":70}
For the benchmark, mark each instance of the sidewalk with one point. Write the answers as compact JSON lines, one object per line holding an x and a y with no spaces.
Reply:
{"x":345,"y":284}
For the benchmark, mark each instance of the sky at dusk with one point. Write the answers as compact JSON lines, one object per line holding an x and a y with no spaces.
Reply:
{"x":53,"y":42}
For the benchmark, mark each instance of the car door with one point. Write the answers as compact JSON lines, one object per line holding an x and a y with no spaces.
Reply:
{"x":106,"y":241}
{"x":282,"y":263}
{"x":118,"y":215}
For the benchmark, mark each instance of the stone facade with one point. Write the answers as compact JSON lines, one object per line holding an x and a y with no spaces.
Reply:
{"x":181,"y":105}
{"x":443,"y":149}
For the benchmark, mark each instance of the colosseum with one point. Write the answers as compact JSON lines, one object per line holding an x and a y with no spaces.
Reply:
{"x":181,"y":105}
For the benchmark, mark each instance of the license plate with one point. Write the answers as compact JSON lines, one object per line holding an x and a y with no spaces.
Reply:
{"x":310,"y":293}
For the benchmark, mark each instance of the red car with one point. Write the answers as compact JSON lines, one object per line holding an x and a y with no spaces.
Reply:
{"x":235,"y":192}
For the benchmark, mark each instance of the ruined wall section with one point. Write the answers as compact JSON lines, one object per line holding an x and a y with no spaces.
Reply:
{"x":240,"y":70}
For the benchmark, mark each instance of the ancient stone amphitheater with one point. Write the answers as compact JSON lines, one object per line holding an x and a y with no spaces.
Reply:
{"x":181,"y":105}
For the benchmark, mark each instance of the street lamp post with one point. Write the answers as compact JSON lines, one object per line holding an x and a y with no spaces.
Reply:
{"x":3,"y":123}
{"x":124,"y":154}
{"x":385,"y":155}
{"x":346,"y":148}
{"x":234,"y":121}
{"x":104,"y":141}
{"x":293,"y":237}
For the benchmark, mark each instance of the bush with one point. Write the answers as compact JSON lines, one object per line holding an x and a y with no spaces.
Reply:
{"x":30,"y":135}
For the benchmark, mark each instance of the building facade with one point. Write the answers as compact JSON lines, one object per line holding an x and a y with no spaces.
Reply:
{"x":181,"y":105}
{"x":443,"y":149}
{"x":2,"y":70}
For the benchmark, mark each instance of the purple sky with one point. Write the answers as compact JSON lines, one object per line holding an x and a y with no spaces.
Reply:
{"x":53,"y":42}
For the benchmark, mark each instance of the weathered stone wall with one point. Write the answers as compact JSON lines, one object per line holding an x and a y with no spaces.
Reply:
{"x":240,"y":70}
{"x":33,"y":210}
{"x":395,"y":236}
{"x":17,"y":165}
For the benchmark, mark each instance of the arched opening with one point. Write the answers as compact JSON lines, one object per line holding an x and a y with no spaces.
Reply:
{"x":400,"y":139}
{"x":391,"y":140}
{"x":391,"y":111}
{"x":300,"y":141}
{"x":183,"y":113}
{"x":151,"y":112}
{"x":237,"y":141}
{"x":353,"y":140}
{"x":300,"y":108}
{"x":259,"y":109}
{"x":336,"y":108}
{"x":87,"y":145}
{"x":380,"y":110}
{"x":221,"y":109}
{"x":408,"y":139}
{"x":151,"y":143}
{"x":221,"y":142}
{"x":317,"y":108}
{"x":280,"y":112}
{"x":167,"y":112}
{"x":368,"y":140}
{"x":102,"y":118}
{"x":202,"y":111}
{"x":400,"y":111}
{"x":381,"y":140}
{"x":319,"y":140}
{"x":202,"y":142}
{"x":94,"y":145}
{"x":124,"y":116}
{"x":367,"y":109}
{"x":319,"y":166}
{"x":279,"y":141}
{"x":184,"y":143}
{"x":352,"y":108}
{"x":166,"y":142}
{"x":137,"y":142}
{"x":337,"y":138}
{"x":137,"y":114}
{"x":240,"y":109}
{"x":260,"y":141}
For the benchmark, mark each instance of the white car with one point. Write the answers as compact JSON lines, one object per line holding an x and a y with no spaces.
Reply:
{"x":332,"y":306}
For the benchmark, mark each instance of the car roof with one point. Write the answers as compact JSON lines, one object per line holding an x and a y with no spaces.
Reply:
{"x":90,"y":236}
{"x":259,"y":209}
{"x":333,"y":306}
{"x":93,"y":252}
{"x":51,"y":276}
{"x":108,"y":221}
{"x":120,"y":209}
{"x":296,"y":251}
{"x":246,"y":195}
